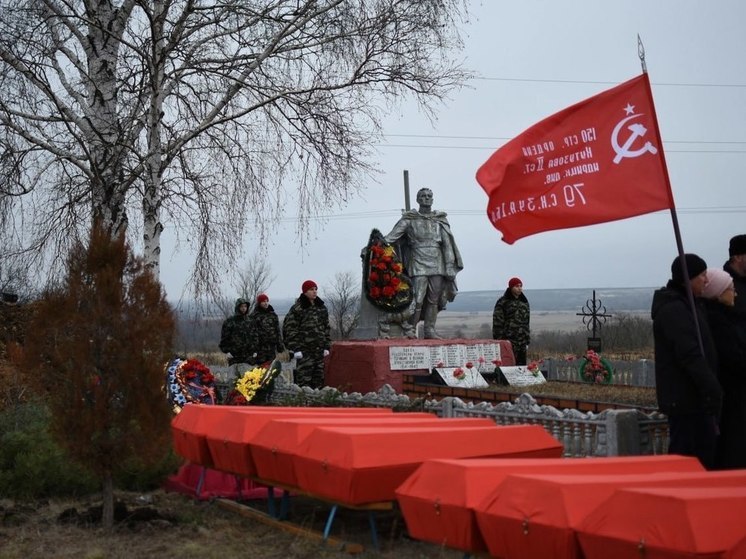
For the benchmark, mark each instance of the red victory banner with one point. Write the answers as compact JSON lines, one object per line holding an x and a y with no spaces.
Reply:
{"x":596,"y":161}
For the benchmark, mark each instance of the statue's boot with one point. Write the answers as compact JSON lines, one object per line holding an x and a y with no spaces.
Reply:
{"x":408,"y":330}
{"x":411,"y":331}
{"x":431,"y":314}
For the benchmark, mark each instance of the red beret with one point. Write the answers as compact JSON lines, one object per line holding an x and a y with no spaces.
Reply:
{"x":261,"y":298}
{"x":515,"y":281}
{"x":308,"y":284}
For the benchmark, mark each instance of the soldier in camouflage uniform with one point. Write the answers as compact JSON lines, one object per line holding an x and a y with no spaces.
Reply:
{"x":511,"y":318}
{"x":267,"y":328}
{"x":307,"y":335}
{"x":237,"y":336}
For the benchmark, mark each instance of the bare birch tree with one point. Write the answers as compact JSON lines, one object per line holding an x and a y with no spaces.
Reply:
{"x":207,"y":117}
{"x":343,"y":300}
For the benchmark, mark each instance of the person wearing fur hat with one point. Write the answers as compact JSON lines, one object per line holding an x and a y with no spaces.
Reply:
{"x":719,"y":294}
{"x":687,"y":387}
{"x":736,"y":267}
{"x":307,"y":335}
{"x":511,"y":320}
{"x":267,"y":328}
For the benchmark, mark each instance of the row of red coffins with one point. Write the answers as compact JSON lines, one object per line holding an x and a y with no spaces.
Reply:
{"x":652,"y":506}
{"x":349,"y":456}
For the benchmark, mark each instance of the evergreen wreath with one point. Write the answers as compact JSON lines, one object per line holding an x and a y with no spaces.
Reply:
{"x":596,"y":369}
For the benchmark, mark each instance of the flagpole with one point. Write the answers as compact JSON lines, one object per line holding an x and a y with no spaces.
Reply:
{"x":674,"y":217}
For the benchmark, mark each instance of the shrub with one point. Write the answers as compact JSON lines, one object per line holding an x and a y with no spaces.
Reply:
{"x":32,"y":465}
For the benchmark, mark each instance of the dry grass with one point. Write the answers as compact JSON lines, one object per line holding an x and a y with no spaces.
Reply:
{"x":632,"y":395}
{"x":196,"y":529}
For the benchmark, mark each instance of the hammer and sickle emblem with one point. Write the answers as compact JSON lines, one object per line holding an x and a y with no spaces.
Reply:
{"x":637,"y":130}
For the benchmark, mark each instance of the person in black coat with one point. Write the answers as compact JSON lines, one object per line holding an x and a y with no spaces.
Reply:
{"x":687,"y":387}
{"x":720,"y":295}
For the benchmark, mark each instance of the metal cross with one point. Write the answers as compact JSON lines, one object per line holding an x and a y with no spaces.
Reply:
{"x":594,"y":314}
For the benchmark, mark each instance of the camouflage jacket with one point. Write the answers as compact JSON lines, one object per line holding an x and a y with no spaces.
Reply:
{"x":238,"y":337}
{"x":267,"y":329}
{"x":306,"y":327}
{"x":511,"y":319}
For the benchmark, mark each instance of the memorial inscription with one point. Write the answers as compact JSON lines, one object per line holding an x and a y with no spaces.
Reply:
{"x":482,"y":357}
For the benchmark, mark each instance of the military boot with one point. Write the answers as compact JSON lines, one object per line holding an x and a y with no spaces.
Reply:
{"x":431,"y":314}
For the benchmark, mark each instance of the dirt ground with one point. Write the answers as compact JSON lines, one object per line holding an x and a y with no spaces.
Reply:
{"x":171,"y":525}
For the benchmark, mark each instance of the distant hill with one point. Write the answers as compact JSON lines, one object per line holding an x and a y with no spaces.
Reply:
{"x":613,"y":298}
{"x":203,"y":333}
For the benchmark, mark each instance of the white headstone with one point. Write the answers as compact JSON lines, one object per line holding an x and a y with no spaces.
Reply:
{"x":521,"y":376}
{"x":470,"y":379}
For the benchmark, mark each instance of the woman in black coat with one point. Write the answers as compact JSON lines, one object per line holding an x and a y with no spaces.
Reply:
{"x":730,"y":343}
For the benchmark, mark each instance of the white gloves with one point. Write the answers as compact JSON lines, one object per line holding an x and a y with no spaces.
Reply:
{"x":229,"y":355}
{"x":254,"y":355}
{"x":299,"y":354}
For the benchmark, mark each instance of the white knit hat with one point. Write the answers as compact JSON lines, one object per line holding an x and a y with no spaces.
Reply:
{"x":717,"y":282}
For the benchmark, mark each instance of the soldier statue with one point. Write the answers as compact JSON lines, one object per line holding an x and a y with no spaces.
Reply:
{"x":430,"y":257}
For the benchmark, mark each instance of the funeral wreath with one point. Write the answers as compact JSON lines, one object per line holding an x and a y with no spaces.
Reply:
{"x":594,"y":368}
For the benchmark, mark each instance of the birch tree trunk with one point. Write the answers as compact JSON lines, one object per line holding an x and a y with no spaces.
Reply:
{"x":212,"y":118}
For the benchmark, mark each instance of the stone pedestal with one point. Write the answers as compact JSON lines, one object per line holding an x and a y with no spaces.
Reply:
{"x":365,"y":365}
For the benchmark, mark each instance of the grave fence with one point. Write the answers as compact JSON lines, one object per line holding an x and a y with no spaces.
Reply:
{"x":608,"y":433}
{"x":639,"y":372}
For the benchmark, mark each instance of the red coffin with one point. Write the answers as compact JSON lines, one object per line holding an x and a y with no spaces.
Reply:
{"x":438,"y":500}
{"x":230,"y":438}
{"x":190,"y":427}
{"x":537,"y":516}
{"x":667,"y":523}
{"x":738,"y":551}
{"x":357,"y":465}
{"x":273,"y":447}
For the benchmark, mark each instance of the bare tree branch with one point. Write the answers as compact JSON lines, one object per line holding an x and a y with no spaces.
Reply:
{"x":184,"y":113}
{"x":343,"y":301}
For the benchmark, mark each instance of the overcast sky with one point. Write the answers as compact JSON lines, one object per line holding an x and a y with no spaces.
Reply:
{"x":534,"y":58}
